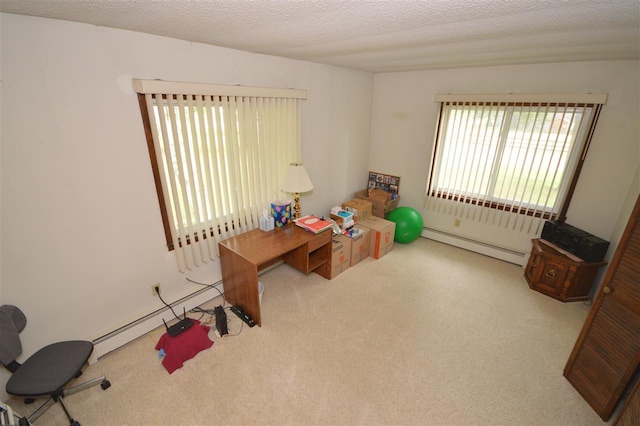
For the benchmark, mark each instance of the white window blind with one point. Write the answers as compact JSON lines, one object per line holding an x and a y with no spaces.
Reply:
{"x":499,"y":155}
{"x":218,"y":154}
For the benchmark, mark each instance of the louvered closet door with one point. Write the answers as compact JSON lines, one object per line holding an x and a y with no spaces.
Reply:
{"x":607,"y":351}
{"x":630,"y":413}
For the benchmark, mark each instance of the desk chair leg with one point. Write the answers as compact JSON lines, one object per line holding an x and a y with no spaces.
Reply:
{"x":102,"y":380}
{"x":72,"y":422}
{"x":44,"y":407}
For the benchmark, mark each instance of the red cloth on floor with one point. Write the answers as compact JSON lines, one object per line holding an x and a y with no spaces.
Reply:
{"x":184,"y":346}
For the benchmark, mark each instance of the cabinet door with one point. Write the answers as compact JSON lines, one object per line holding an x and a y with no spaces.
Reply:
{"x":552,"y":276}
{"x":607,"y":352}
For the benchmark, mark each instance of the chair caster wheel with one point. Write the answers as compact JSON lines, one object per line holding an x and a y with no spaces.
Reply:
{"x":105,"y":384}
{"x":75,"y":423}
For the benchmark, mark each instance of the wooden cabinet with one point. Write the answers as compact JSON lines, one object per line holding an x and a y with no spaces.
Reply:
{"x":606,"y":355}
{"x":559,"y":274}
{"x":310,"y":256}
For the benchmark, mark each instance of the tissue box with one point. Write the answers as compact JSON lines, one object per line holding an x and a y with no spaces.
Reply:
{"x":281,"y":212}
{"x":266,"y":223}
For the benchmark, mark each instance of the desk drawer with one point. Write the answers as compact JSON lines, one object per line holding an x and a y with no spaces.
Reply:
{"x":319,"y":240}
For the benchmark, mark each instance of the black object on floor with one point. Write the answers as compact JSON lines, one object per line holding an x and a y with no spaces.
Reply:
{"x":221,"y":321}
{"x":243,"y":315}
{"x":178,"y":327}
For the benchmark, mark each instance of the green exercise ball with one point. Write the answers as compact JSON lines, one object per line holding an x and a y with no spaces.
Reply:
{"x":408,"y":222}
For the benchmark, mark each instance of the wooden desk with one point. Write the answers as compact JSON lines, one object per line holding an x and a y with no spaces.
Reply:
{"x":243,"y":256}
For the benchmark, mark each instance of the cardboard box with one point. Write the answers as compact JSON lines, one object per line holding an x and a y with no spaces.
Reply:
{"x":381,"y":201}
{"x":361,"y":209}
{"x":340,"y":255}
{"x":382,"y":234}
{"x":360,"y":244}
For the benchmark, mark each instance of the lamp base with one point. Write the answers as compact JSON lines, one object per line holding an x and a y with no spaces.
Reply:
{"x":296,"y":206}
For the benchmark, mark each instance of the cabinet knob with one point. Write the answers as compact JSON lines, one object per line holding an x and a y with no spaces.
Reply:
{"x":551,"y":274}
{"x":606,"y":290}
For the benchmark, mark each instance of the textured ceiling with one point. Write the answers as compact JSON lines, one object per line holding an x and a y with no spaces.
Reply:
{"x":377,"y":35}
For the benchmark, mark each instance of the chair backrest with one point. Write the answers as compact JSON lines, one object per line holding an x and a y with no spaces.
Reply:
{"x":12,"y":322}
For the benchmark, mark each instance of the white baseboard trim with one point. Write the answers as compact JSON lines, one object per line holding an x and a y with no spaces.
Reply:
{"x":475,"y":246}
{"x":129,"y":332}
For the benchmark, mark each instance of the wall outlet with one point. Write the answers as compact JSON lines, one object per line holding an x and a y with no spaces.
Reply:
{"x":153,"y":289}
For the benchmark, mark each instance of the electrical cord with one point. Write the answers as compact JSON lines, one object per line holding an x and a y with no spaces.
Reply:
{"x":241,"y":327}
{"x":199,"y":310}
{"x":211,"y":312}
{"x":202,"y":313}
{"x":167,"y":305}
{"x":224,"y":302}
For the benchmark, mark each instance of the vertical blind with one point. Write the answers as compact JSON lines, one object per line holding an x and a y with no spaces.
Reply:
{"x":218,"y":153}
{"x":509,"y":160}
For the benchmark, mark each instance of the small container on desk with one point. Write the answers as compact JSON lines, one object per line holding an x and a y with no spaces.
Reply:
{"x":281,"y":212}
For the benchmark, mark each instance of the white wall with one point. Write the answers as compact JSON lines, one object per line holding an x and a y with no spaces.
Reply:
{"x":403,"y":129}
{"x":82,"y":236}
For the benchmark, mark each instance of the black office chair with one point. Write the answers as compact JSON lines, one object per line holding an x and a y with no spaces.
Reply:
{"x":47,"y":372}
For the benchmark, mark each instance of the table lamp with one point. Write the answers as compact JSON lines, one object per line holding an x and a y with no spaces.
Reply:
{"x":296,"y":180}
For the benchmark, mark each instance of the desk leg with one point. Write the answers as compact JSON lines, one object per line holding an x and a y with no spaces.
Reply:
{"x":240,"y":282}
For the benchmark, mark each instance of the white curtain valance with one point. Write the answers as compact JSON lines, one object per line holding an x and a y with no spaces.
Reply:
{"x":546,"y":98}
{"x":188,"y":88}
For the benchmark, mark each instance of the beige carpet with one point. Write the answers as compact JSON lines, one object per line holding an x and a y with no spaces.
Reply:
{"x":429,"y":334}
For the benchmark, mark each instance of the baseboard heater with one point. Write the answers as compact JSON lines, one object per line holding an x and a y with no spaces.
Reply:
{"x":146,"y":323}
{"x":497,"y":252}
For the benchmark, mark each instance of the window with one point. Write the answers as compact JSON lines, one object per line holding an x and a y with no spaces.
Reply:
{"x":520,"y":156}
{"x":218,"y":154}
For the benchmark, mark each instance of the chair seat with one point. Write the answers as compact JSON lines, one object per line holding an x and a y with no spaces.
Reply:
{"x":50,"y":369}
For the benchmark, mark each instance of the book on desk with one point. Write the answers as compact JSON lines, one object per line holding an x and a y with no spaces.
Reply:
{"x":313,"y":224}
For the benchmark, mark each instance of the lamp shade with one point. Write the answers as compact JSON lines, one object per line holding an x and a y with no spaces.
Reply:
{"x":296,"y":179}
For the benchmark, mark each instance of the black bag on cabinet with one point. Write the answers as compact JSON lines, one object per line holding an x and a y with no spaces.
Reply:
{"x":592,"y":248}
{"x":586,"y":246}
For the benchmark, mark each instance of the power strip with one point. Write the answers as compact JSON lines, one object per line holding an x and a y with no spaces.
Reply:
{"x":221,"y":321}
{"x":243,"y":315}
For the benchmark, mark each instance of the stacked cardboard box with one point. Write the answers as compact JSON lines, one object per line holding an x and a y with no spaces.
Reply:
{"x":371,"y":237}
{"x":340,"y":255}
{"x":382,"y":202}
{"x":360,"y":243}
{"x":382,"y":235}
{"x":361,"y":209}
